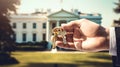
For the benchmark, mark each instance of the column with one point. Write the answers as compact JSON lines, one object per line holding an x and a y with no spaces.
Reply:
{"x":67,"y":21}
{"x":57,"y":25}
{"x":47,"y":31}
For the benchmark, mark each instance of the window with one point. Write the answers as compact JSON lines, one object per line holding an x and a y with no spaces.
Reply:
{"x":34,"y":25}
{"x":24,"y":36}
{"x":24,"y":25}
{"x":14,"y":37}
{"x":14,"y":25}
{"x":44,"y":25}
{"x":44,"y":36}
{"x":34,"y":36}
{"x":53,"y":25}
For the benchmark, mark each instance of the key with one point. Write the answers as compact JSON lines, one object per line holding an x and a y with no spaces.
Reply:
{"x":55,"y":35}
{"x":61,"y":32}
{"x":64,"y":40}
{"x":54,"y":40}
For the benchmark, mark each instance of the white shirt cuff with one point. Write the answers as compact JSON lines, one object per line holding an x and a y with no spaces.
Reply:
{"x":112,"y":46}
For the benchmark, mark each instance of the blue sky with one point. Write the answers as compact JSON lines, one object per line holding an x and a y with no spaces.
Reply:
{"x":104,"y":7}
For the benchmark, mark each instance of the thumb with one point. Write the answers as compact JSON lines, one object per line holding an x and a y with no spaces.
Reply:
{"x":78,"y":46}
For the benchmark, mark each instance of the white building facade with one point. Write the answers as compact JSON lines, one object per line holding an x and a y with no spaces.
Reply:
{"x":28,"y":27}
{"x":38,"y":27}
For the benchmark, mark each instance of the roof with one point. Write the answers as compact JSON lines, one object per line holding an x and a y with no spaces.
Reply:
{"x":63,"y":13}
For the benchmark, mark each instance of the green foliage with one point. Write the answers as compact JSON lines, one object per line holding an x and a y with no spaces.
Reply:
{"x":62,"y":59}
{"x":116,"y":23}
{"x":6,"y":7}
{"x":32,"y":46}
{"x":117,"y":9}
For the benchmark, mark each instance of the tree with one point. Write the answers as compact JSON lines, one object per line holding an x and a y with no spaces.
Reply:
{"x":117,"y":9}
{"x":6,"y":32}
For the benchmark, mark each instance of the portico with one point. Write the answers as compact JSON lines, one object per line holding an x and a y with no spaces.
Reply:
{"x":58,"y":18}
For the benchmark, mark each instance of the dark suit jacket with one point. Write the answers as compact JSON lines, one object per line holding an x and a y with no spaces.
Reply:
{"x":117,"y":32}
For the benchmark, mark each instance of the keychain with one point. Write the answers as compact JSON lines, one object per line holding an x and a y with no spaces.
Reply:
{"x":56,"y":32}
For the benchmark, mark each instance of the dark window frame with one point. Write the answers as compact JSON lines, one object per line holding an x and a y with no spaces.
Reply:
{"x":24,"y":25}
{"x":34,"y":25}
{"x":24,"y":37}
{"x":34,"y":37}
{"x":44,"y":25}
{"x":44,"y":36}
{"x":14,"y":25}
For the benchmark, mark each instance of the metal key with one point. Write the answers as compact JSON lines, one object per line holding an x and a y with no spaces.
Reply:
{"x":63,"y":33}
{"x":55,"y":35}
{"x":59,"y":31}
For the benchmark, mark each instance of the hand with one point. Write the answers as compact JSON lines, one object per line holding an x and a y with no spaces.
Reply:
{"x":84,"y":35}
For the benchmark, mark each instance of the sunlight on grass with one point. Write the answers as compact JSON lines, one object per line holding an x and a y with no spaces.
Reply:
{"x":70,"y":59}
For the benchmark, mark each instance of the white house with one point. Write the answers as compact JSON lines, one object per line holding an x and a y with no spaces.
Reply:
{"x":29,"y":27}
{"x":37,"y":27}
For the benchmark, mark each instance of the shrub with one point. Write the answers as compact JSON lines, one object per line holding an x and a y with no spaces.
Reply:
{"x":30,"y":46}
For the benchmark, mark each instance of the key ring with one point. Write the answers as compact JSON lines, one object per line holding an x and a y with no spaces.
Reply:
{"x":58,"y":31}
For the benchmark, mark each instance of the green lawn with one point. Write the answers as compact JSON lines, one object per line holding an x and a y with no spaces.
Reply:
{"x":61,"y":59}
